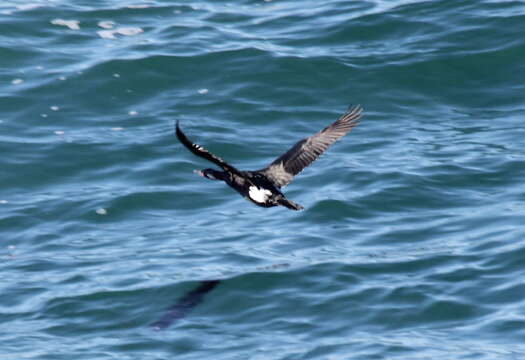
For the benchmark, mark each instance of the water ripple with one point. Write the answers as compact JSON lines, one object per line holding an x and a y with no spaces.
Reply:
{"x":410,"y":245}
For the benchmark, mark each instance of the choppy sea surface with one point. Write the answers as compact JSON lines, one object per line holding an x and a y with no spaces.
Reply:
{"x":412,"y":241}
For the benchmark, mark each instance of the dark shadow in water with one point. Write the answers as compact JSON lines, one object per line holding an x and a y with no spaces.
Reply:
{"x":185,"y":304}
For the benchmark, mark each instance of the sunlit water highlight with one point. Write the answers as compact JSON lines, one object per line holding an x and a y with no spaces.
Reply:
{"x":411,"y":244}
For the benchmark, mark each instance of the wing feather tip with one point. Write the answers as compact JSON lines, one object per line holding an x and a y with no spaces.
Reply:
{"x":178,"y":131}
{"x":354,"y":111}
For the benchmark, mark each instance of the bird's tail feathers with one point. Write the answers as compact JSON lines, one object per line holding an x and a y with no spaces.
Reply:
{"x":289,"y":204}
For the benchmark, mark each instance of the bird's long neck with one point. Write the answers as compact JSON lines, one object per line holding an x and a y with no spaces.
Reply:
{"x":219,"y":175}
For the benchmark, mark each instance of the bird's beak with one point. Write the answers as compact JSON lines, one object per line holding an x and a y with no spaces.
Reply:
{"x":198,"y":172}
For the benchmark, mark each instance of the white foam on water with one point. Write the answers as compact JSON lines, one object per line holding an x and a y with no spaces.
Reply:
{"x":203,"y":91}
{"x":129,"y":31}
{"x":72,"y":24}
{"x":116,"y":129}
{"x":27,"y":7}
{"x":59,"y":132}
{"x":54,"y":108}
{"x":107,"y":24}
{"x":138,"y":6}
{"x":17,"y":81}
{"x":106,"y":34}
{"x":101,"y":211}
{"x":133,"y":113}
{"x":124,"y":31}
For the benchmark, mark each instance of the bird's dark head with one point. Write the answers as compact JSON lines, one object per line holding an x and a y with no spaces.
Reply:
{"x":210,"y":174}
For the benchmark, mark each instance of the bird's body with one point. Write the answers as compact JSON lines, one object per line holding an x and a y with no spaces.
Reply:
{"x":262,"y":187}
{"x":254,"y":186}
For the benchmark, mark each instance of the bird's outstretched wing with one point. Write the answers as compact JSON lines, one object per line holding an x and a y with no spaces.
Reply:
{"x":306,"y":151}
{"x":202,"y":152}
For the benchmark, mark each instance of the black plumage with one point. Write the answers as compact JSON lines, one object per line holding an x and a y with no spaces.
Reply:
{"x":262,"y":187}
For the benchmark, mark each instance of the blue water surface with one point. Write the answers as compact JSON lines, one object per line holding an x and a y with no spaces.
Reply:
{"x":411,"y":244}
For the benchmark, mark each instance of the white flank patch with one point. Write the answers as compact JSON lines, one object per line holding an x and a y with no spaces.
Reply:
{"x":258,"y":195}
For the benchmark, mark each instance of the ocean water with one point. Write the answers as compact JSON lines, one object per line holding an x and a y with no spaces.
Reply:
{"x":412,"y":241}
